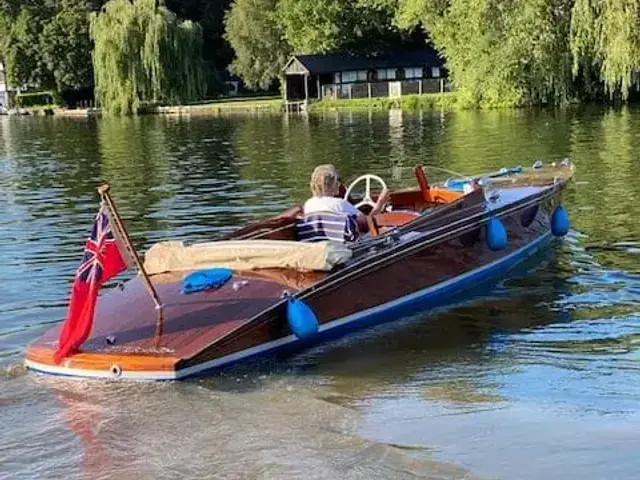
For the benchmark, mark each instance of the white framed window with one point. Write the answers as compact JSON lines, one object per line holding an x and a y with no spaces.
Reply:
{"x":382,"y":74}
{"x":336,"y":78}
{"x":414,"y":72}
{"x":391,"y":73}
{"x":362,"y":75}
{"x":348,"y":77}
{"x":435,"y":72}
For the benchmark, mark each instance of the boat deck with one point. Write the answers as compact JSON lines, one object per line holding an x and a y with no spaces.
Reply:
{"x":127,"y":317}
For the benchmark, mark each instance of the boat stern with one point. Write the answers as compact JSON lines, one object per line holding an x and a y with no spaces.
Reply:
{"x":39,"y":358}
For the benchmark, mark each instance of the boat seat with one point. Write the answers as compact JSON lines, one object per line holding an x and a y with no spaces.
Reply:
{"x":389,"y":220}
{"x":395,"y":218}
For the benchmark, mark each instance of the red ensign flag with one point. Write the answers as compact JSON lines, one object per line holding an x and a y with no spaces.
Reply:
{"x":102,"y":260}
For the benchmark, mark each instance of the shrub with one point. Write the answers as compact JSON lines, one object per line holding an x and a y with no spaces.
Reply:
{"x":37,"y":99}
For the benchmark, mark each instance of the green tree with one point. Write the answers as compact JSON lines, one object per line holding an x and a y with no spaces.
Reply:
{"x":210,"y":15}
{"x":353,"y":26}
{"x":503,"y":51}
{"x":45,"y":43}
{"x":24,"y":65}
{"x":217,"y":52}
{"x":499,"y":52}
{"x":605,"y":40}
{"x":254,"y":32}
{"x":144,"y":53}
{"x":312,"y":27}
{"x":63,"y":45}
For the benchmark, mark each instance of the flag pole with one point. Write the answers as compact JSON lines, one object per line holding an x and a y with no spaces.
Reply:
{"x":103,"y":190}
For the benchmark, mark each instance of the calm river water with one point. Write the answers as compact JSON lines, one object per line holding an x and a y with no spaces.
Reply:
{"x":538,"y":377}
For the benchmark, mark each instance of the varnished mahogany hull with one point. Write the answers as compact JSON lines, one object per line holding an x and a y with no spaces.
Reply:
{"x":404,"y":274}
{"x":430,"y":278}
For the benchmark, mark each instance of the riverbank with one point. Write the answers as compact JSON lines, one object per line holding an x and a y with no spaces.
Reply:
{"x":215,"y":107}
{"x":236,"y":105}
{"x":407,"y":102}
{"x":274,"y":104}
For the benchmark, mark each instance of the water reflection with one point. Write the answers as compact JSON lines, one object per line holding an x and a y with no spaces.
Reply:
{"x":445,"y":355}
{"x":84,"y":417}
{"x":137,"y":184}
{"x":611,"y":158}
{"x":537,"y":367}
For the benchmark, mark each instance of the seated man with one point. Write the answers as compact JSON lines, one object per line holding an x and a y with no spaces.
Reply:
{"x":329,"y":217}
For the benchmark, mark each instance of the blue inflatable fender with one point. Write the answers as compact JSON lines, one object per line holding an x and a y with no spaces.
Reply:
{"x":302,"y":320}
{"x":496,"y":234}
{"x":560,"y":221}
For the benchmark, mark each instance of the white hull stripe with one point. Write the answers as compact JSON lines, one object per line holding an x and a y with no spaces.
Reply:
{"x":277,"y":344}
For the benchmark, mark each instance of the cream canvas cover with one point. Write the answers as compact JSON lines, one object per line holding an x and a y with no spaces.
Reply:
{"x":245,"y":255}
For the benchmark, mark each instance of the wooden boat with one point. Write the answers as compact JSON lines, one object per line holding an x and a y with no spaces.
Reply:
{"x":431,"y":244}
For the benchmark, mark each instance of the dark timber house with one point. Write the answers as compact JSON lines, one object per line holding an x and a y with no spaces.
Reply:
{"x":340,"y":75}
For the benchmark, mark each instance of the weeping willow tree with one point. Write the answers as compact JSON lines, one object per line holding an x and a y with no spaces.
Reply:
{"x":514,"y":52}
{"x":499,"y":52}
{"x":605,"y":41}
{"x":144,"y":54}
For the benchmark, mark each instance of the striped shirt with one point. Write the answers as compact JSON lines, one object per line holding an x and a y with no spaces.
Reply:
{"x":323,"y":226}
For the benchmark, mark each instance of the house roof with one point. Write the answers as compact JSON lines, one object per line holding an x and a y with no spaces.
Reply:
{"x":337,"y":62}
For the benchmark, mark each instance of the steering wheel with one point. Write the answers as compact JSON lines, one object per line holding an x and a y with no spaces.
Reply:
{"x":367,"y":200}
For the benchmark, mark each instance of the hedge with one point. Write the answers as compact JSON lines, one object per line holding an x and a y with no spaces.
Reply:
{"x":37,"y":99}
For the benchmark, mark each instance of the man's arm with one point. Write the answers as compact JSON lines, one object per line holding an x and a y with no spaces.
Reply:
{"x":363,"y":223}
{"x":382,"y":201}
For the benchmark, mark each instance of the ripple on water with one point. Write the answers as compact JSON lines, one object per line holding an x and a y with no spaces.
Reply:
{"x":536,"y":378}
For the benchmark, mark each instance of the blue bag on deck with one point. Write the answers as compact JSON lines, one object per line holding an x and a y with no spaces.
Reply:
{"x":205,"y":280}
